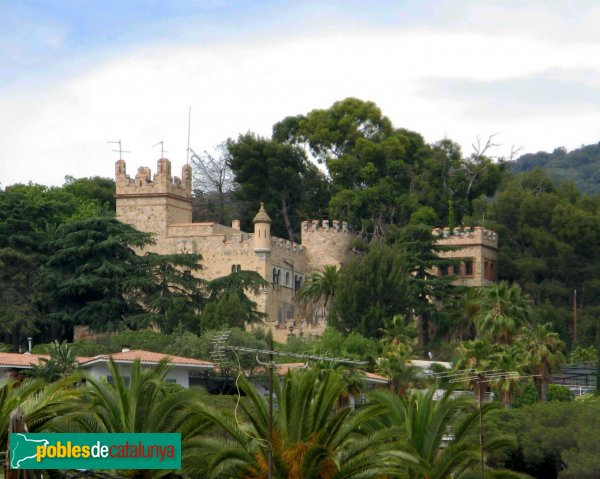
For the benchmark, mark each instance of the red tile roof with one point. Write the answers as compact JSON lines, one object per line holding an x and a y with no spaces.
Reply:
{"x":21,"y":360}
{"x":376,"y":377}
{"x":146,"y":357}
{"x":283,"y":368}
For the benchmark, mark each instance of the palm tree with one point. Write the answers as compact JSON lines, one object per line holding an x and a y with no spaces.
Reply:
{"x":146,"y":404}
{"x":395,"y":366}
{"x":541,"y":350}
{"x":438,"y":431}
{"x":502,"y":311}
{"x":41,"y":402}
{"x":509,"y":360}
{"x":311,"y":437}
{"x":62,"y":362}
{"x":318,"y":290}
{"x":475,"y":356}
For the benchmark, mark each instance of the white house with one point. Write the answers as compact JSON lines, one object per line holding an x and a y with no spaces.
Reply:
{"x":181,"y":368}
{"x":11,"y":364}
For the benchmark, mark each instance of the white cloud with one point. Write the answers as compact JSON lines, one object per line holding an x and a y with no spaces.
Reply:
{"x":143,"y":97}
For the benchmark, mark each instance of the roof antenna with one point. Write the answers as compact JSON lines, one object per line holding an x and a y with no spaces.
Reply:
{"x":162,"y":148}
{"x":120,"y":151}
{"x":187,"y":161}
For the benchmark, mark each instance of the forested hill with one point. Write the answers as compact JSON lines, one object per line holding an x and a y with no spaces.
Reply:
{"x":581,"y":166}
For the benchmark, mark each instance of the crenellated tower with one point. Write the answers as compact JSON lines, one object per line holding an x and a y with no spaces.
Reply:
{"x":151,"y":203}
{"x":475,"y":251}
{"x":326,"y":244}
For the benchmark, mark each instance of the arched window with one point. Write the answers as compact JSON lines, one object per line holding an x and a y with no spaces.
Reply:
{"x":287,"y":278}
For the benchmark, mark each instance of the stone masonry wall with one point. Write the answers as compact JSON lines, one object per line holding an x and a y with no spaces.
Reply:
{"x":326,"y":243}
{"x":479,"y":246}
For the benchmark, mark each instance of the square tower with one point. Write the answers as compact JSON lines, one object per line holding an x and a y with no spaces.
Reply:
{"x":151,"y":204}
{"x":476,"y":252}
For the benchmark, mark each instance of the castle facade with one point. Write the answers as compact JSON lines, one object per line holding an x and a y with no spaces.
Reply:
{"x":162,"y":204}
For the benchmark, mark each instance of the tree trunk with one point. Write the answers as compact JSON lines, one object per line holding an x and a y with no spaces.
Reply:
{"x":286,"y":219}
{"x":544,"y":390}
{"x":221,"y":196}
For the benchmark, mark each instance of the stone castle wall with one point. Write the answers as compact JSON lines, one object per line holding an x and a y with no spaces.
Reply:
{"x":161,"y":204}
{"x":326,"y":243}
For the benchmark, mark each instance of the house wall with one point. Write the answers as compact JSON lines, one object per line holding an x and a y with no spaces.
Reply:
{"x":100,"y":370}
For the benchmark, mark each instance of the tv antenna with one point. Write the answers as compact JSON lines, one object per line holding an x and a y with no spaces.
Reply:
{"x":120,"y":151}
{"x":480,"y":378}
{"x":187,"y":161}
{"x":162,"y":148}
{"x":483,"y":222}
{"x":220,"y":347}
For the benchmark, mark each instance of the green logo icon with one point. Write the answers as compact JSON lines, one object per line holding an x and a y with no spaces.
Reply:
{"x":95,"y":451}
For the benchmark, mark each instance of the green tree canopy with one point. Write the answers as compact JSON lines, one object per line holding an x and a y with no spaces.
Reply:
{"x":372,"y":290}
{"x":280,"y":176}
{"x":381,"y":174}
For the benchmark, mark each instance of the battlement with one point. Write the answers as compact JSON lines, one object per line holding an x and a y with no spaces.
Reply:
{"x":162,"y":183}
{"x":465,"y":236}
{"x":326,"y":243}
{"x":316,"y":225}
{"x":286,"y":245}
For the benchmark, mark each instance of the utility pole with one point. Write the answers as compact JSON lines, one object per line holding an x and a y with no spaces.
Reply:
{"x":271,"y":372}
{"x":574,"y":316}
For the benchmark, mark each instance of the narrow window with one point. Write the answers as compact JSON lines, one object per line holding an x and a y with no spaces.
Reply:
{"x":469,"y":267}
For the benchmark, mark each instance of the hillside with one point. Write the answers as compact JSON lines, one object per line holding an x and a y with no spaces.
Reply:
{"x":581,"y":166}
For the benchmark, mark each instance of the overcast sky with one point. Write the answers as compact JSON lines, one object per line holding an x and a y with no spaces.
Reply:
{"x":75,"y":74}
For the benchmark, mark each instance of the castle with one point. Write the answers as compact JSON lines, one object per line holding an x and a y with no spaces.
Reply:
{"x":162,"y":205}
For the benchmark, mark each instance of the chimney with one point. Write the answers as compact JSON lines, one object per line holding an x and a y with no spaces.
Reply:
{"x":30,"y":342}
{"x":235,"y":224}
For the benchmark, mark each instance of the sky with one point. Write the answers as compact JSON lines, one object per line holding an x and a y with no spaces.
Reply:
{"x":76,"y":74}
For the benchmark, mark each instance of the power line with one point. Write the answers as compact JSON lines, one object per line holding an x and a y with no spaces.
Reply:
{"x":218,"y":355}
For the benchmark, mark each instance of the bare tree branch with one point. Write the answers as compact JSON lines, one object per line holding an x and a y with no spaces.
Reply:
{"x":213,"y":175}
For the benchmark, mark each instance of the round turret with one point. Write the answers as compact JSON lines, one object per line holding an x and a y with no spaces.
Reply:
{"x":262,"y":231}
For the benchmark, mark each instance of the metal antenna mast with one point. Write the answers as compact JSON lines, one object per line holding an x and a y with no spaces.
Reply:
{"x":187,"y":151}
{"x":483,"y":222}
{"x":162,"y":148}
{"x":120,"y":151}
{"x":218,"y":355}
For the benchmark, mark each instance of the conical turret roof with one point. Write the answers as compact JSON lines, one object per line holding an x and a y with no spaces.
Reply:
{"x":262,"y":216}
